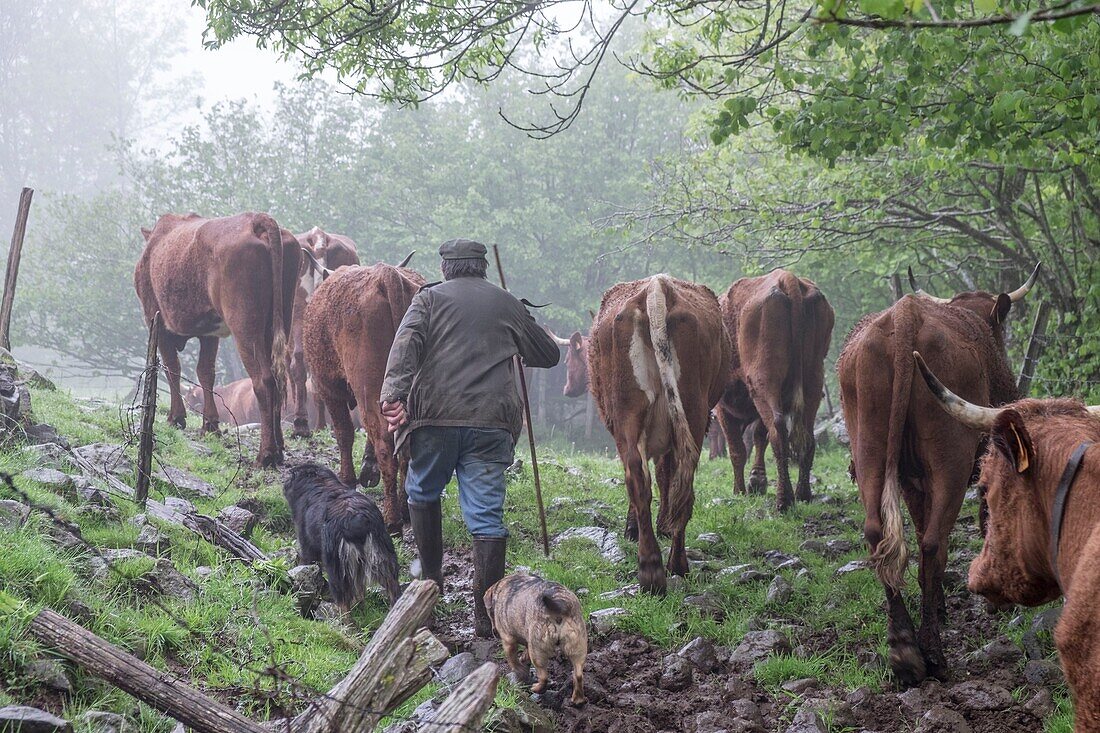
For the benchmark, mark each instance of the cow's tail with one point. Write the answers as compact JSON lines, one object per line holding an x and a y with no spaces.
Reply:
{"x":796,"y":429}
{"x":268,"y":231}
{"x":680,"y":496}
{"x":892,"y":554}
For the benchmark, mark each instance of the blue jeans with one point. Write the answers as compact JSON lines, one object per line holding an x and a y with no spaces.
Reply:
{"x":478,"y":456}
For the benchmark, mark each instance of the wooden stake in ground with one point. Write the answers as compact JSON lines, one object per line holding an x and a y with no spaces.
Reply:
{"x":530,"y":427}
{"x":148,"y":414}
{"x":12,"y":275}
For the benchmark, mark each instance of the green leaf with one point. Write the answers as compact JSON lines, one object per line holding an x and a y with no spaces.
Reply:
{"x":986,"y":6}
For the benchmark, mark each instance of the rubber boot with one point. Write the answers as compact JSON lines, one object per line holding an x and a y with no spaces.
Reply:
{"x":488,"y":569}
{"x":427,"y":526}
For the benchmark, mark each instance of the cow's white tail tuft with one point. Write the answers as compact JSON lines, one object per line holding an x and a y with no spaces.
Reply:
{"x":892,"y":554}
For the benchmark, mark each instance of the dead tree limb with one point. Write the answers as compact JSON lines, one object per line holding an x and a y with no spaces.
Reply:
{"x":148,"y":413}
{"x":161,"y":690}
{"x":463,"y":710}
{"x":391,"y":668}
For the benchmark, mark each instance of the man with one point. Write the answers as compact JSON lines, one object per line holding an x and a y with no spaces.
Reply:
{"x":450,"y":390}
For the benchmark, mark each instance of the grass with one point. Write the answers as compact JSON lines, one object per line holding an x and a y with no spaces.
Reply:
{"x":242,"y":622}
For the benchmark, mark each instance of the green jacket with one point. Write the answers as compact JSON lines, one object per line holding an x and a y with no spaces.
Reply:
{"x":451,"y":360}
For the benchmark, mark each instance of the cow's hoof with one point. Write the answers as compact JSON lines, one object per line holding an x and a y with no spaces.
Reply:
{"x":270,"y":459}
{"x":369,"y":476}
{"x":652,"y":578}
{"x":663,"y":529}
{"x":804,"y":495}
{"x":301,"y":429}
{"x":758,"y":483}
{"x":631,"y":532}
{"x":177,"y":422}
{"x":678,"y":565}
{"x":907,"y":664}
{"x":210,"y":428}
{"x":394,"y":529}
{"x":783,"y":503}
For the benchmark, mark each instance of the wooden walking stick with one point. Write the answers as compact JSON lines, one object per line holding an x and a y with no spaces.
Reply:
{"x":530,"y":427}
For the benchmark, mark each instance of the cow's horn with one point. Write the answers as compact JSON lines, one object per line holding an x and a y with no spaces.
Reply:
{"x":969,"y":414}
{"x":1020,"y":292}
{"x":408,"y":257}
{"x":921,"y":293}
{"x":557,"y":339}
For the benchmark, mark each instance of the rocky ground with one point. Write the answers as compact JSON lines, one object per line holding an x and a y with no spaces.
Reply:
{"x":778,"y":628}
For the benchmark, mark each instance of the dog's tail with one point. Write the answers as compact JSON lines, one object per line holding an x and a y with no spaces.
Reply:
{"x":355,"y":550}
{"x":556,"y":604}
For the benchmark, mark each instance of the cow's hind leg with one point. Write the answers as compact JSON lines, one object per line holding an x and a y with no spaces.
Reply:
{"x":941,"y":509}
{"x":208,"y":355}
{"x":344,"y":432}
{"x":651,"y":569}
{"x":733,"y":430}
{"x":298,"y":375}
{"x":169,"y":353}
{"x":663,"y":469}
{"x":758,"y":478}
{"x":806,"y":460}
{"x":387,"y":466}
{"x":779,"y":437}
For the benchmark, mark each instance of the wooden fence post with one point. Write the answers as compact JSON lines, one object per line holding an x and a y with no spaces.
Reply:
{"x":148,"y":413}
{"x":1034,"y":348}
{"x":13,"y":266}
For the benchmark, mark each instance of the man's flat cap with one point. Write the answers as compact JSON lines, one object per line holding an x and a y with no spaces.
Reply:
{"x":462,"y":249}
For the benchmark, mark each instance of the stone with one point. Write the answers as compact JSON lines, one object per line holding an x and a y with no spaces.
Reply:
{"x":91,"y":493}
{"x":998,"y":653}
{"x":675,"y":673}
{"x":49,"y":454}
{"x":1038,"y":641}
{"x":709,"y":538}
{"x":859,"y":696}
{"x":202,"y":572}
{"x":795,"y":563}
{"x":99,"y":564}
{"x":734,"y":570}
{"x":839,"y":713}
{"x":458,"y":668}
{"x":940,"y":719}
{"x":980,"y":695}
{"x":24,"y":719}
{"x":807,"y":721}
{"x":701,"y":653}
{"x":605,"y":619}
{"x":706,"y":604}
{"x":802,"y":686}
{"x":36,"y":379}
{"x":627,"y":591}
{"x":1043,"y":673}
{"x":151,"y":541}
{"x":107,"y":458}
{"x":330,"y":613}
{"x":675,"y":584}
{"x":835,"y":548}
{"x":515,"y":470}
{"x":52,"y":480}
{"x":307,"y":582}
{"x":1041,"y":704}
{"x":238,"y":519}
{"x":45,"y":434}
{"x":15,"y":398}
{"x":171,"y":582}
{"x":751,"y":576}
{"x":185,"y":483}
{"x":96,"y":721}
{"x":605,"y":540}
{"x":775,"y":558}
{"x":853,"y":566}
{"x":13,"y":514}
{"x":176,"y":504}
{"x":49,"y":672}
{"x":913,"y":700}
{"x":780,"y":590}
{"x":745,"y":709}
{"x":758,"y":645}
{"x":424,"y":711}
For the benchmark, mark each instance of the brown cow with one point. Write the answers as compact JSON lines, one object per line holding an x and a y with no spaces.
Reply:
{"x":214,"y":277}
{"x":237,"y":403}
{"x":779,"y":327}
{"x":903,"y":449}
{"x":348,"y":329}
{"x":659,"y":358}
{"x":330,"y":251}
{"x":1038,"y":548}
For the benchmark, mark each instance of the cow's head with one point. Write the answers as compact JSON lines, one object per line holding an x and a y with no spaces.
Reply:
{"x":993,"y":308}
{"x":1019,"y":476}
{"x":576,"y":362}
{"x":193,"y":399}
{"x":317,"y":240}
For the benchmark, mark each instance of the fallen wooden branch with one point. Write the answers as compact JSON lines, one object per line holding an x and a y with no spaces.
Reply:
{"x":464,"y":708}
{"x":208,"y":528}
{"x":394,"y":666}
{"x":159,"y":689}
{"x":397,"y":662}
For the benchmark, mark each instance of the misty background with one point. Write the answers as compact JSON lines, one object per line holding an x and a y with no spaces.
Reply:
{"x":115,"y":114}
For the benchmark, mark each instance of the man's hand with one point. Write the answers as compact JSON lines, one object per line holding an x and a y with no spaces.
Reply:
{"x":395,"y":415}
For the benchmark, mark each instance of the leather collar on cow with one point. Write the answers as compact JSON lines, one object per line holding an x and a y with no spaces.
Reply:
{"x":1061,"y":495}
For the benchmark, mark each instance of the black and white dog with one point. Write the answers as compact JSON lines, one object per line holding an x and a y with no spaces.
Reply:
{"x":344,"y":531}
